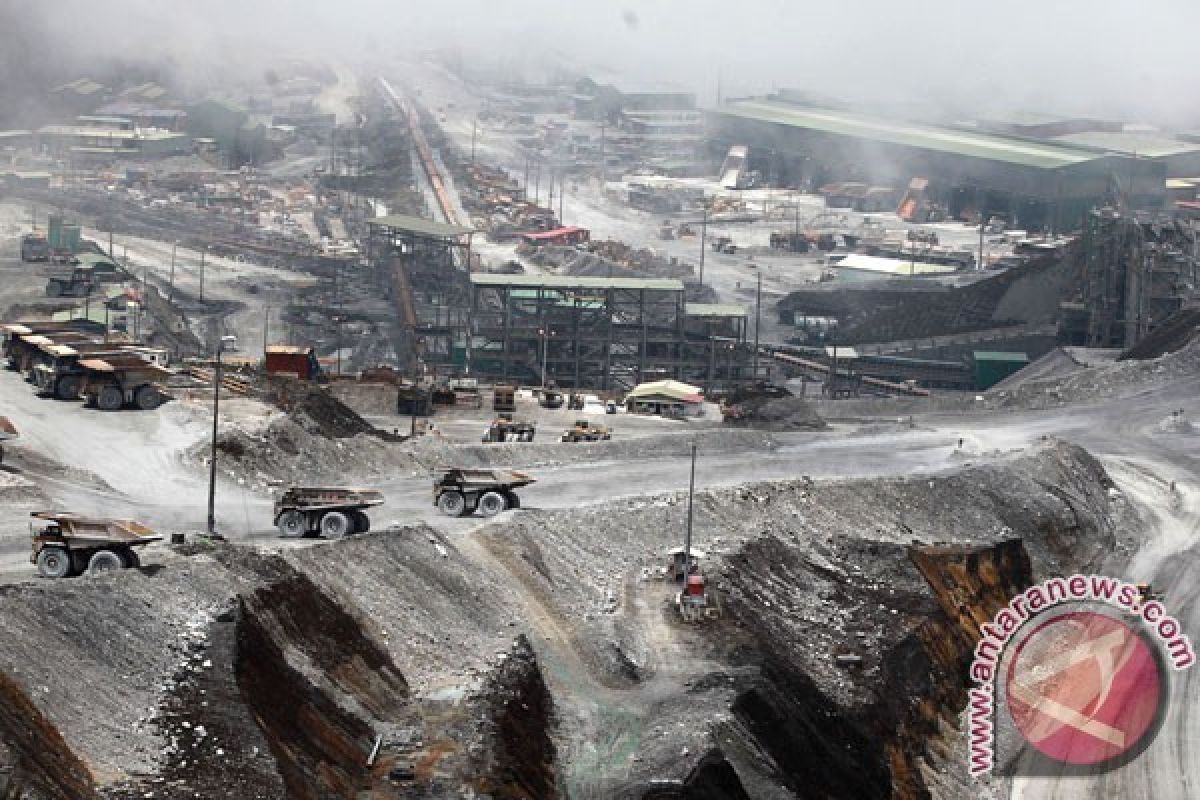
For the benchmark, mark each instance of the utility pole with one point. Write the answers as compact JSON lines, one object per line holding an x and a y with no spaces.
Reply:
{"x":757,"y":319}
{"x":703,"y":236}
{"x":982,"y":217}
{"x":687,"y":542}
{"x":603,"y":161}
{"x":171,"y":292}
{"x":212,"y":461}
{"x":203,"y":253}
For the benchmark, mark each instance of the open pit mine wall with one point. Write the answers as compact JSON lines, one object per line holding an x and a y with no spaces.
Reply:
{"x":871,"y":732}
{"x":230,"y":675}
{"x":519,"y":756}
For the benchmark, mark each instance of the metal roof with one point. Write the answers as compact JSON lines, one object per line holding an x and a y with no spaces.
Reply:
{"x":419,"y":225}
{"x":675,"y":390}
{"x":288,"y":349}
{"x":576,"y":282}
{"x":1151,"y":145}
{"x":1041,"y":155}
{"x":714,"y":310}
{"x":995,"y":355}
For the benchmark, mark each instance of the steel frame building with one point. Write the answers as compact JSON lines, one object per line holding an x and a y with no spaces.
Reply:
{"x":602,"y":333}
{"x":423,"y":265}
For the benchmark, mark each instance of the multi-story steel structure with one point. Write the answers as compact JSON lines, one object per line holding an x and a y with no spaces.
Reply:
{"x":602,"y":333}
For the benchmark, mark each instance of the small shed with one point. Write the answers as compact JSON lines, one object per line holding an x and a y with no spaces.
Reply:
{"x":991,"y":367}
{"x":666,"y":398}
{"x":292,"y":360}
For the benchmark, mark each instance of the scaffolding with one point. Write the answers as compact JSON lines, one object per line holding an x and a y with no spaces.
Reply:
{"x":422,"y":266}
{"x":602,"y":333}
{"x":1138,"y":270}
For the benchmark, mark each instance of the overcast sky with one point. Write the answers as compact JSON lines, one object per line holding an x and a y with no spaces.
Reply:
{"x":1128,"y":59}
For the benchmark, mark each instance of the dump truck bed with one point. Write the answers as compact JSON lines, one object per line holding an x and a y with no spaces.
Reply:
{"x":83,"y":531}
{"x":318,"y":497}
{"x":470,"y":478}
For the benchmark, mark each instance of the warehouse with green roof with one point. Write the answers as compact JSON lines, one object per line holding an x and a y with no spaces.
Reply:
{"x":1035,"y":184}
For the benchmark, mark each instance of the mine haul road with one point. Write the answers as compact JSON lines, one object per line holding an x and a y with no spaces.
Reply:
{"x":128,"y":464}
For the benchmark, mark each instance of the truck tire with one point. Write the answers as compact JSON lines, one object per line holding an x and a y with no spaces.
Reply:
{"x":54,"y":562}
{"x":512,"y":499}
{"x":104,"y":561}
{"x":110,"y":399}
{"x":68,"y":387}
{"x":452,"y":504}
{"x":148,"y":398}
{"x":291,"y":524}
{"x":54,"y":289}
{"x":362,"y":523}
{"x":491,"y":504}
{"x":131,"y":558}
{"x":335,"y":525}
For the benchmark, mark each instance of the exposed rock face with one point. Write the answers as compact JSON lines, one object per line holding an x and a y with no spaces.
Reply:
{"x":519,"y":760}
{"x":315,"y":684}
{"x":42,"y":764}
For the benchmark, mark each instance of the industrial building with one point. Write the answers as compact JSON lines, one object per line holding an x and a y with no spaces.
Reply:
{"x":423,"y":265}
{"x":598,"y":101}
{"x":103,"y":136}
{"x":1181,"y":159}
{"x":1037,"y":185}
{"x":604,"y":333}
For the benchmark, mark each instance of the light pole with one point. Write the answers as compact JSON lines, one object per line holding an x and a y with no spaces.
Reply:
{"x":757,"y":318}
{"x":230,"y":343}
{"x":203,"y":253}
{"x":171,"y":291}
{"x":545,"y":334}
{"x":687,"y":542}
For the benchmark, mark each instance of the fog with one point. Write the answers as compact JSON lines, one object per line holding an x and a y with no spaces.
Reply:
{"x":1117,"y":59}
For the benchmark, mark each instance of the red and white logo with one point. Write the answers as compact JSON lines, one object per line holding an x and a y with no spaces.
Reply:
{"x":1085,"y":689}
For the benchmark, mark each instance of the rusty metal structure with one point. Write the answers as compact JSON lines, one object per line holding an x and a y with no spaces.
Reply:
{"x":1138,"y":270}
{"x":422,"y":265}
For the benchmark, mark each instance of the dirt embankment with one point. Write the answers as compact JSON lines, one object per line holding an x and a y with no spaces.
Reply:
{"x":276,"y":674}
{"x":803,"y":572}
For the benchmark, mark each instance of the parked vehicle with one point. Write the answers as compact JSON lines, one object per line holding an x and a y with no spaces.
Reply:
{"x":329,"y":512}
{"x":79,"y":282}
{"x":115,"y":382}
{"x":34,"y":248}
{"x":586,"y":431}
{"x":7,"y":431}
{"x":66,"y":544}
{"x":505,"y":430}
{"x":504,"y":397}
{"x":460,"y":491}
